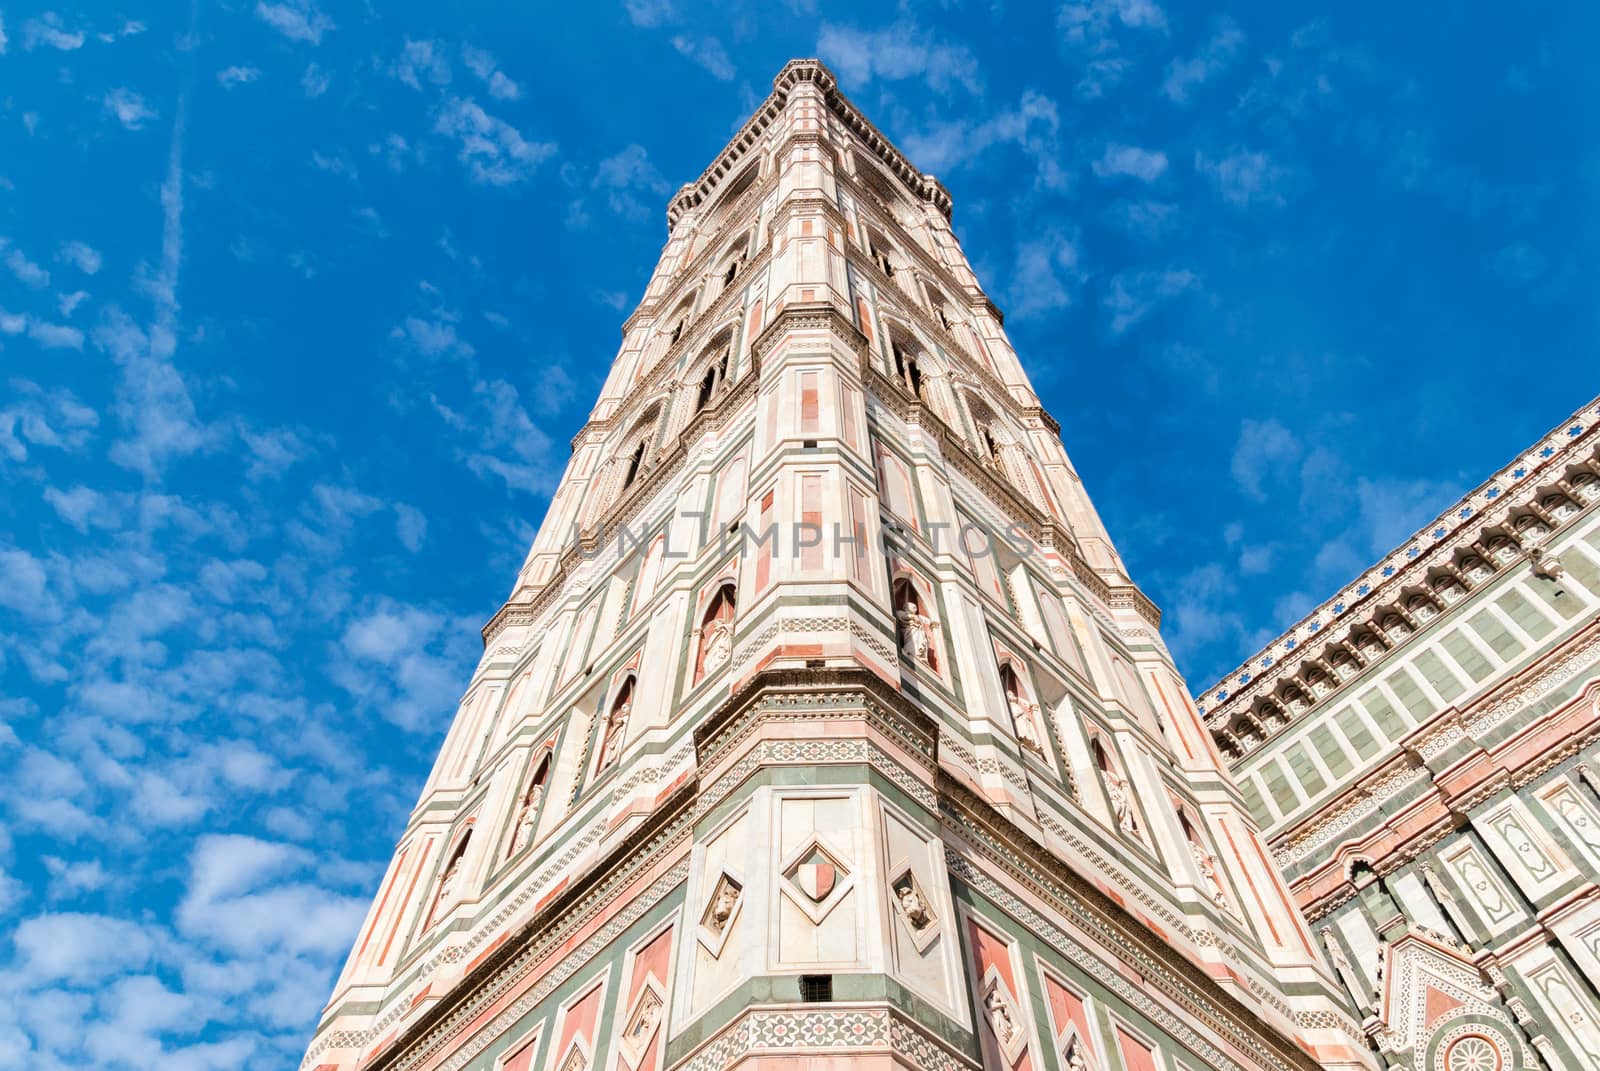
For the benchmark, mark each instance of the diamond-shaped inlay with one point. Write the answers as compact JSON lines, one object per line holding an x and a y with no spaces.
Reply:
{"x":816,"y":878}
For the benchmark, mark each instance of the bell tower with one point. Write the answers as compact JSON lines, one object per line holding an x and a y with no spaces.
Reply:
{"x":823,"y":724}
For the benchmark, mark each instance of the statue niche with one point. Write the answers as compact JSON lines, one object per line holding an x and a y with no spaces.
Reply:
{"x":915,"y":626}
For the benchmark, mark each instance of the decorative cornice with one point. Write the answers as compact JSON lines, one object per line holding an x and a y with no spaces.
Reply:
{"x":795,"y":73}
{"x":1510,"y":490}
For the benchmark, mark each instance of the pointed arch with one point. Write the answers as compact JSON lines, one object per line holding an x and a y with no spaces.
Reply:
{"x":916,"y":616}
{"x":449,"y":887}
{"x":615,"y":733}
{"x":710,"y":370}
{"x":714,"y":636}
{"x":528,"y":803}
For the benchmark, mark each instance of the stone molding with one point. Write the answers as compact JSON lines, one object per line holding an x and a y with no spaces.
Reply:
{"x":1488,"y":506}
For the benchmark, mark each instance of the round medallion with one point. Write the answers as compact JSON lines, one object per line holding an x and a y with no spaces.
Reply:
{"x":1474,"y":1052}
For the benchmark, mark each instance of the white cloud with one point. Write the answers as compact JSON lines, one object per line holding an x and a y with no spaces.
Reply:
{"x":1243,"y":178}
{"x":315,"y":81}
{"x":903,"y":50}
{"x":487,"y":68}
{"x":1147,"y":219}
{"x":3,"y":39}
{"x":1032,"y":126}
{"x":55,"y":336}
{"x":35,"y":418}
{"x":83,"y":256}
{"x":26,"y":271}
{"x":431,"y":337}
{"x":422,"y":61}
{"x":1265,"y":448}
{"x":129,"y":108}
{"x":628,"y":172}
{"x":649,"y":13}
{"x":393,"y":658}
{"x":336,"y":163}
{"x":68,"y":303}
{"x":707,"y":52}
{"x":494,"y":151}
{"x":48,"y":30}
{"x":1045,"y":274}
{"x":229,"y":77}
{"x":1133,"y":294}
{"x":1093,"y":29}
{"x":298,"y":20}
{"x":80,"y":948}
{"x":1144,"y":164}
{"x":410,"y":526}
{"x":1214,"y":57}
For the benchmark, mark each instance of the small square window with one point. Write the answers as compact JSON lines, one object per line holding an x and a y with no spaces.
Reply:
{"x":816,"y":988}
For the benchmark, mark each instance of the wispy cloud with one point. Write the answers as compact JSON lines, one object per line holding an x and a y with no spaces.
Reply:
{"x":1214,"y":56}
{"x":1265,"y":450}
{"x":1132,"y":295}
{"x":647,"y":14}
{"x":298,"y":20}
{"x":707,"y":52}
{"x":1144,"y":164}
{"x":81,"y":255}
{"x":494,"y":152}
{"x":1093,"y":28}
{"x":229,"y":77}
{"x":314,"y":81}
{"x":1045,"y":274}
{"x":1243,"y":177}
{"x":27,"y":272}
{"x":487,"y":69}
{"x":1032,"y":126}
{"x":422,"y":61}
{"x":895,"y":53}
{"x":129,"y":108}
{"x":625,"y":176}
{"x":49,"y":31}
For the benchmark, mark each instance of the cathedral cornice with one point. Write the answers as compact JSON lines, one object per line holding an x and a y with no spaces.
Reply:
{"x":1468,"y":523}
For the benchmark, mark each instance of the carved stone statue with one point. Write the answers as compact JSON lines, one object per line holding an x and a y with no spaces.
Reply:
{"x":1208,"y":870}
{"x":722,"y":907}
{"x":527,"y":815}
{"x":718,"y":645}
{"x":1121,"y":801}
{"x":1076,"y":1060}
{"x":1022,"y":717}
{"x":999,"y":1017}
{"x":447,"y":884}
{"x":916,"y":632}
{"x":645,"y":1021}
{"x":912,"y":905}
{"x":614,"y":733}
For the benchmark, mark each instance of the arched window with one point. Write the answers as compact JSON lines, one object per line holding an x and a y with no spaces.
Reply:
{"x":716,"y":633}
{"x":940,"y":311}
{"x":914,"y":617}
{"x":633,"y":465}
{"x":528,"y":806}
{"x":679,"y":320}
{"x":616,"y":729}
{"x":906,"y":367}
{"x":716,"y":370}
{"x":883,"y":254}
{"x":732,"y":197}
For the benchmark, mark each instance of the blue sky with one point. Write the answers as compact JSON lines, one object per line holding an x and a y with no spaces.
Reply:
{"x":300,"y":305}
